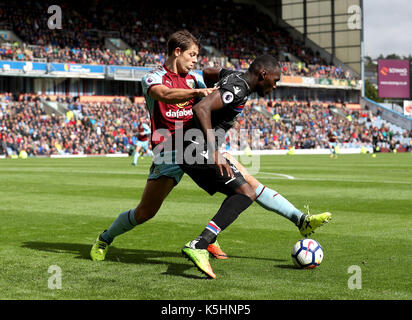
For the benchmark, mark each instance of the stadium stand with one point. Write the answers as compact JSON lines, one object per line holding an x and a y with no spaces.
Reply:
{"x":224,"y":26}
{"x":106,"y":57}
{"x":109,"y":127}
{"x":46,"y":124}
{"x":87,"y":128}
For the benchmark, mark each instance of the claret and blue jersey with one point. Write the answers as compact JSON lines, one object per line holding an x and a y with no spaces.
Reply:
{"x":164,"y":115}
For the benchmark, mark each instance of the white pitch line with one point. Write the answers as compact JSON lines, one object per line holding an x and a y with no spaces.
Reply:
{"x":336,"y":180}
{"x":355,"y":180}
{"x":278,"y":174}
{"x":272,"y":174}
{"x":68,"y":170}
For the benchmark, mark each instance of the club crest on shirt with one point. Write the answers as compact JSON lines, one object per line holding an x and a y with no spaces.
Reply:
{"x":190,"y":83}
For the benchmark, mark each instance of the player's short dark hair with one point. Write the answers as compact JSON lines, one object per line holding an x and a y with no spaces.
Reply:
{"x":264,"y":62}
{"x":182,"y":39}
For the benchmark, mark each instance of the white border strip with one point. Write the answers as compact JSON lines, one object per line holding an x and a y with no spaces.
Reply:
{"x":64,"y":156}
{"x":234,"y":153}
{"x":300,"y":151}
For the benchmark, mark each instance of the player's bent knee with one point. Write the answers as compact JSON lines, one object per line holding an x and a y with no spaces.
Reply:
{"x":248,"y":191}
{"x":252,"y":195}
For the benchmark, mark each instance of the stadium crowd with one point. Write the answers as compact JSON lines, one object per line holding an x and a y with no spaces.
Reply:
{"x":148,"y":59}
{"x":304,"y":125}
{"x":88,"y":128}
{"x":230,"y":28}
{"x":108,"y":128}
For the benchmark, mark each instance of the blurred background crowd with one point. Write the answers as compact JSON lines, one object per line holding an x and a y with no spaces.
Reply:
{"x":108,"y":128}
{"x":231,"y":35}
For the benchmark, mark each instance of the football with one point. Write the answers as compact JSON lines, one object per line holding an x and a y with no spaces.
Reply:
{"x":307,"y":253}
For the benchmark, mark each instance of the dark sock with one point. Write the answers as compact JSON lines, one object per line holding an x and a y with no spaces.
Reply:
{"x":228,"y":212}
{"x":230,"y":209}
{"x":200,"y":243}
{"x":301,"y":220}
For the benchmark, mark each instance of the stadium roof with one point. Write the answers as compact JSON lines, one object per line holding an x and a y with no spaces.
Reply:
{"x":332,"y":27}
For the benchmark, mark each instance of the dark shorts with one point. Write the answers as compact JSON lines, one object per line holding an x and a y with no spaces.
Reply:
{"x":208,"y":177}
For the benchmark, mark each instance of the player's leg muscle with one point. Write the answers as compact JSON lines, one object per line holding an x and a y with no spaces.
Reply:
{"x":252,"y":181}
{"x":247,"y":190}
{"x":153,"y":196}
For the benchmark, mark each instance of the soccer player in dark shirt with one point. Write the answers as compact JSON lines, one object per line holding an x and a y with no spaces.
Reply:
{"x":217,"y":113}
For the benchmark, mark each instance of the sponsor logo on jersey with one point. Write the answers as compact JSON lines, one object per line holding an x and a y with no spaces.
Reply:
{"x":179,"y":113}
{"x":236,"y":89}
{"x":227,"y":97}
{"x":182,"y":105}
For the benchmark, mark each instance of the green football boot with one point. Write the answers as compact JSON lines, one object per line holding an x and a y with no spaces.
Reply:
{"x":99,"y":250}
{"x":200,"y":258}
{"x":312,"y":222}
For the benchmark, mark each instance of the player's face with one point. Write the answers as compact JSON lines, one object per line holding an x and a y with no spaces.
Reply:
{"x":186,"y":60}
{"x":269,"y":81}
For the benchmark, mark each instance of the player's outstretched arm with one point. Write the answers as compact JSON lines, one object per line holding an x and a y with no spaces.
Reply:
{"x":176,"y":95}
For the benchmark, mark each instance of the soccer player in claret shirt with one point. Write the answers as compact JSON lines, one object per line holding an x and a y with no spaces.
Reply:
{"x":333,"y":140}
{"x":170,"y":91}
{"x":219,"y":111}
{"x":142,"y":141}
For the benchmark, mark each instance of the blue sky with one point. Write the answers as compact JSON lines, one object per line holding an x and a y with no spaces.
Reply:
{"x":388,"y":27}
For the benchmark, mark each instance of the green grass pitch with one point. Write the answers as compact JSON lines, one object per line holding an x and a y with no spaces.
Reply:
{"x":53,"y":209}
